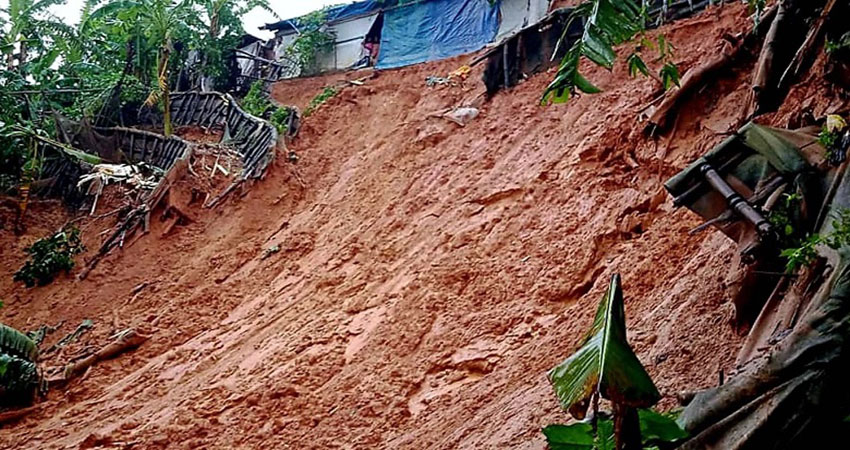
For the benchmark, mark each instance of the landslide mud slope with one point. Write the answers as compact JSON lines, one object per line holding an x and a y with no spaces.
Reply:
{"x":427,"y":276}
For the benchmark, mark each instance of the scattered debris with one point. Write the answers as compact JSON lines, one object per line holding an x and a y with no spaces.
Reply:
{"x":125,"y":340}
{"x":85,"y":326}
{"x":141,"y":176}
{"x":38,"y":335}
{"x":270,"y":251}
{"x":462,"y":116}
{"x":432,"y":81}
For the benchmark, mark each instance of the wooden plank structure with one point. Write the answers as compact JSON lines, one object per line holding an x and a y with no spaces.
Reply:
{"x":253,"y":138}
{"x":154,"y":149}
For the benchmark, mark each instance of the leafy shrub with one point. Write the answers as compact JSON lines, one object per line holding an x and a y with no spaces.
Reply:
{"x":18,"y":380}
{"x":311,"y":41}
{"x":256,"y":101}
{"x":19,"y":376}
{"x":806,"y":251}
{"x":656,"y":429}
{"x":280,"y":119}
{"x":327,"y":93}
{"x":49,"y":256}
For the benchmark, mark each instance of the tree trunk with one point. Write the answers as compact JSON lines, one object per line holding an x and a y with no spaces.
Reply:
{"x":162,"y":75}
{"x":626,"y":428}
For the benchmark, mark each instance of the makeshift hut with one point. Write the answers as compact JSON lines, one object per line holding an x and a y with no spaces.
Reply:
{"x":392,"y":33}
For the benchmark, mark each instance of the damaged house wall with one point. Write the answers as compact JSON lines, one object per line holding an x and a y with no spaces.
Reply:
{"x":515,"y":15}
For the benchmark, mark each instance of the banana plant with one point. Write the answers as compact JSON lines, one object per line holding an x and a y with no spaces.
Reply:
{"x":157,"y":22}
{"x":19,"y":377}
{"x":604,"y":366}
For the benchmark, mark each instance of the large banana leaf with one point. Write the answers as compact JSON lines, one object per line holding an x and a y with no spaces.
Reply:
{"x":14,"y":342}
{"x":657,"y":430}
{"x":604,"y":363}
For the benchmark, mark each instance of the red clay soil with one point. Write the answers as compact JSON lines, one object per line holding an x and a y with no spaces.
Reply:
{"x":408,"y":283}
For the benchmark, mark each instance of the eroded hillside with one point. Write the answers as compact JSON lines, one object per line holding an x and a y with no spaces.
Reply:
{"x":428,"y":275}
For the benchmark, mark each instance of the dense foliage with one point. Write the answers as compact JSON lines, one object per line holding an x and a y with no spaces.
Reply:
{"x":312,"y":40}
{"x":115,"y":67}
{"x":19,"y":377}
{"x":49,"y":256}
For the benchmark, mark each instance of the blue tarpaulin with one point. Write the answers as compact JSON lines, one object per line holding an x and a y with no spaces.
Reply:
{"x":354,"y":10}
{"x":436,"y":29}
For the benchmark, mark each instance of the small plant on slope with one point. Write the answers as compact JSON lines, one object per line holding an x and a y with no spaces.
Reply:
{"x":327,"y":93}
{"x":605,"y":366}
{"x":255,"y":101}
{"x":806,"y":252}
{"x":49,"y":256}
{"x":280,"y":119}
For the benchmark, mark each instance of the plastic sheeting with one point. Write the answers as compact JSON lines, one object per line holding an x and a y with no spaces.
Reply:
{"x":435,"y":30}
{"x":518,"y":14}
{"x":354,"y":10}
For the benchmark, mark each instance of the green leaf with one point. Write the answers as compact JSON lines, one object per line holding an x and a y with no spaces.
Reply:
{"x":604,"y":363}
{"x":4,"y":363}
{"x":578,"y":436}
{"x":585,"y":86}
{"x":636,"y":65}
{"x":607,"y":23}
{"x":82,"y":156}
{"x":656,"y":427}
{"x":14,"y":342}
{"x":669,"y":75}
{"x":605,"y":435}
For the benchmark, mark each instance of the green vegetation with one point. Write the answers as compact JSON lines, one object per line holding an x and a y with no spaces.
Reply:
{"x":256,"y":102}
{"x":327,"y":93}
{"x":19,"y":378}
{"x":784,"y":216}
{"x":49,"y":256}
{"x":311,"y":41}
{"x":223,"y":22}
{"x":805,"y":251}
{"x":756,"y":7}
{"x":121,"y":56}
{"x":280,"y":119}
{"x":607,"y":23}
{"x":605,"y":366}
